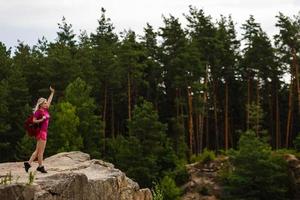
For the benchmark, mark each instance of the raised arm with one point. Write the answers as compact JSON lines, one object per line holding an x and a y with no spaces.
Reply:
{"x":51,"y":96}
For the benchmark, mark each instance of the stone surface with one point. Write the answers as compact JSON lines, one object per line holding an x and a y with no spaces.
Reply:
{"x":203,"y":184}
{"x":71,"y":175}
{"x":294,"y":173}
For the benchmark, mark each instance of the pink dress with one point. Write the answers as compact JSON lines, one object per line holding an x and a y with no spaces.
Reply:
{"x":42,"y":135}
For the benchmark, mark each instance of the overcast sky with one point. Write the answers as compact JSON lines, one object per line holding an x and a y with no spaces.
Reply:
{"x":28,"y":20}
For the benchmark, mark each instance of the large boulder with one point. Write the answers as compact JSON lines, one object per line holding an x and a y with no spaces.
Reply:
{"x":71,"y":175}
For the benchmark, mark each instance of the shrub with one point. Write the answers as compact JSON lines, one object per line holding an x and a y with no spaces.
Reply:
{"x":297,"y":143}
{"x":255,"y":172}
{"x":181,"y":175}
{"x":169,"y":189}
{"x":205,"y":157}
{"x":156,"y":192}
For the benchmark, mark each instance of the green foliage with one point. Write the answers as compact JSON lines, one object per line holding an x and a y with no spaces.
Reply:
{"x":180,"y":174}
{"x":256,"y":113}
{"x":178,"y":138}
{"x":169,"y":188}
{"x":31,"y":177}
{"x":205,"y":157}
{"x":157,"y":193}
{"x":25,"y":147}
{"x":147,"y":144}
{"x":78,"y":93}
{"x":7,"y":179}
{"x":63,"y":134}
{"x":5,"y":125}
{"x":297,"y":143}
{"x":255,"y":172}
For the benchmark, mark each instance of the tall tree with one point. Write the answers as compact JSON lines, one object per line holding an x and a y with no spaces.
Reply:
{"x":250,"y":67}
{"x":15,"y":91}
{"x":131,"y":55}
{"x":5,"y":125}
{"x":202,"y":32}
{"x":228,"y":54}
{"x":153,"y":69}
{"x":145,"y":131}
{"x":104,"y":46}
{"x":61,"y":59}
{"x":181,"y":70}
{"x":287,"y":42}
{"x":78,"y":93}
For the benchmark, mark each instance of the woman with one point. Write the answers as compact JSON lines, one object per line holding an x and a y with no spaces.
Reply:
{"x":41,"y":116}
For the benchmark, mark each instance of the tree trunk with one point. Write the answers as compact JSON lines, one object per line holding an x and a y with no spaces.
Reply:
{"x":177,"y":103}
{"x":201,"y":119}
{"x":190,"y":118}
{"x":112,"y":117}
{"x":104,"y":115}
{"x":216,"y":116}
{"x":206,"y":111}
{"x":272,"y":110}
{"x":201,"y":130}
{"x":248,"y":104}
{"x":196,"y":122}
{"x":295,"y":66}
{"x":226,"y":116}
{"x":277,"y":121}
{"x":258,"y":107}
{"x":129,"y":95}
{"x":290,"y":108}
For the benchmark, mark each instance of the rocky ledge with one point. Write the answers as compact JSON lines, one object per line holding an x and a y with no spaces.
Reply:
{"x":71,"y":175}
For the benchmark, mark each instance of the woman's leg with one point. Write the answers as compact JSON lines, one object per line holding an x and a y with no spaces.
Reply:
{"x":41,"y":144}
{"x":34,"y":155}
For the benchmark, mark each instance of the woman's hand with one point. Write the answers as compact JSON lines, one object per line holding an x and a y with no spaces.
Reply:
{"x":51,"y":96}
{"x":51,"y":89}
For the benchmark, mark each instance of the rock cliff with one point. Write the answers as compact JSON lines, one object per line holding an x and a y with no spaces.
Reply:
{"x":71,"y":175}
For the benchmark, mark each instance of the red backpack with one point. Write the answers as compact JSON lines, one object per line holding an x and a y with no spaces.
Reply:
{"x":32,"y":129}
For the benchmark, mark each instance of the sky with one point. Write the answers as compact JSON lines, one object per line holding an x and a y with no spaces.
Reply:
{"x":29,"y":20}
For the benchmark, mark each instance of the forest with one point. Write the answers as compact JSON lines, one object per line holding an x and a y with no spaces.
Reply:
{"x":152,"y":103}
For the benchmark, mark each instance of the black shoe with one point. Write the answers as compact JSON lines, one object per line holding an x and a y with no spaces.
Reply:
{"x":41,"y":169}
{"x":26,"y":166}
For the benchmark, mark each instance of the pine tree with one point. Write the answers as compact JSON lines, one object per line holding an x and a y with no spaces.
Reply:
{"x":228,"y":54}
{"x":63,"y":133}
{"x":105,"y":61}
{"x":5,"y":125}
{"x":78,"y":93}
{"x":153,"y":70}
{"x":147,"y":143}
{"x":181,"y":71}
{"x":202,"y":32}
{"x":255,"y":172}
{"x":61,"y":61}
{"x":131,"y":55}
{"x":287,"y":43}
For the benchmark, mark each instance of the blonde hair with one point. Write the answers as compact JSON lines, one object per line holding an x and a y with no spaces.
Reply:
{"x":39,"y":102}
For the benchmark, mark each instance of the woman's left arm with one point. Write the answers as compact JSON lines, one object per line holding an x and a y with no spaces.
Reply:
{"x":51,"y":96}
